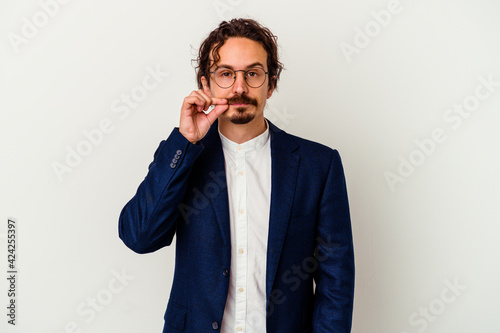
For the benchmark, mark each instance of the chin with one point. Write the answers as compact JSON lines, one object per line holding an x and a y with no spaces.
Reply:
{"x":241,"y":120}
{"x":240,"y":115}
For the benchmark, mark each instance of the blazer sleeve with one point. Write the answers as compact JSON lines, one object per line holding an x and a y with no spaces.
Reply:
{"x":334,"y":294}
{"x":148,"y":221}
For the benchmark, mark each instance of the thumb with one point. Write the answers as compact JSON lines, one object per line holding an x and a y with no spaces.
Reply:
{"x":216,"y":112}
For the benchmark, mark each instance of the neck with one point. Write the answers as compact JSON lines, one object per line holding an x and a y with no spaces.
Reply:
{"x":241,"y":133}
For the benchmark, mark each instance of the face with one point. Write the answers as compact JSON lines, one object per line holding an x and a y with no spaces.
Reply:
{"x":246,"y":104}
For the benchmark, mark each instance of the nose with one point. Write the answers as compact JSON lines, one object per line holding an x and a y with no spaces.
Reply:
{"x":240,"y":85}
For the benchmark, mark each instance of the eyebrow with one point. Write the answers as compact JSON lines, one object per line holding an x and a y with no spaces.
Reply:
{"x":249,"y":66}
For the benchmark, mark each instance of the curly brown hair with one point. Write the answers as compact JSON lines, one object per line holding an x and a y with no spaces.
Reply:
{"x":240,"y":27}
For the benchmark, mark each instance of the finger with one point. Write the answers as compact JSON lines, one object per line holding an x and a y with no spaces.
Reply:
{"x":216,"y":112}
{"x":219,"y":101}
{"x":193,"y":96}
{"x":193,"y":101}
{"x":206,"y":98}
{"x":216,"y":102}
{"x":219,"y":109}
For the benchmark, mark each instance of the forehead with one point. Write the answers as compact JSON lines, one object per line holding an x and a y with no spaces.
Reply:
{"x":240,"y":52}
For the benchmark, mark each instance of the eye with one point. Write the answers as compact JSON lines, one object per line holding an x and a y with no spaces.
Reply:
{"x":252,"y":73}
{"x":225,"y":73}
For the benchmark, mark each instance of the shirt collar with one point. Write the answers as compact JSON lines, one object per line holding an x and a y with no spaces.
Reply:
{"x":252,"y":144}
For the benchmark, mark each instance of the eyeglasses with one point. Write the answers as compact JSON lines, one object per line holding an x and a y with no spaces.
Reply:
{"x":225,"y":77}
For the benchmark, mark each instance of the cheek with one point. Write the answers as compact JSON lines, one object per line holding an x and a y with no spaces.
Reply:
{"x":263,"y":96}
{"x":218,"y":92}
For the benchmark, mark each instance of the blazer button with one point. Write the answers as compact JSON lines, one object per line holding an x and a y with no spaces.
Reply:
{"x":179,"y":152}
{"x":225,"y":272}
{"x":172,"y":165}
{"x":215,"y":325}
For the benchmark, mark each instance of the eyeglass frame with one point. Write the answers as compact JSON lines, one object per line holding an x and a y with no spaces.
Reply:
{"x":244,"y":76}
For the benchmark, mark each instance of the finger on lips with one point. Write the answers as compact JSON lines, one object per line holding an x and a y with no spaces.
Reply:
{"x":203,"y":102}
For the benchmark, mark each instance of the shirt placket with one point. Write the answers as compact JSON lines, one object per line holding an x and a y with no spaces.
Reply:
{"x":241,"y":241}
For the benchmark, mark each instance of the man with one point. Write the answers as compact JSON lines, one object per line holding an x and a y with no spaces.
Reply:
{"x":258,"y":214}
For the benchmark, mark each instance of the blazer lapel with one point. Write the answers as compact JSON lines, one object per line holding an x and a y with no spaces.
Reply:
{"x":215,"y":173}
{"x":284,"y":170}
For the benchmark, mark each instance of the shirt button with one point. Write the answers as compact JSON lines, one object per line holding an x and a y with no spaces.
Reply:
{"x":240,"y":328}
{"x":242,"y":251}
{"x":241,"y":290}
{"x":240,"y":173}
{"x":239,"y":148}
{"x":241,"y":211}
{"x":215,"y":325}
{"x":225,"y":272}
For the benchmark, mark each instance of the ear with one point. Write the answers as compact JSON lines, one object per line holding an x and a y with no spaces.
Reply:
{"x":206,"y":88}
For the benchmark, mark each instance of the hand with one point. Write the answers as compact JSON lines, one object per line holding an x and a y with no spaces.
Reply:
{"x":195,"y":123}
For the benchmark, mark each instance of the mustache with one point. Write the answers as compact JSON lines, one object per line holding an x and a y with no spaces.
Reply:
{"x":241,"y":99}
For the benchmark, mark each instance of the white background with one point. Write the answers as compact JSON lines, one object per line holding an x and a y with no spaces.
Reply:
{"x":437,"y":226}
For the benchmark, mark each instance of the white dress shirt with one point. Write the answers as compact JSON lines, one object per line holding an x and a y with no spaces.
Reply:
{"x":248,"y":175}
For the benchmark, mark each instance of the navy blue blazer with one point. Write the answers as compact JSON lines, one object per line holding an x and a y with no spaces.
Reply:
{"x":310,"y":238}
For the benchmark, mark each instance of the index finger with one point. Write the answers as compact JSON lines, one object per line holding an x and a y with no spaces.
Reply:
{"x":219,"y":101}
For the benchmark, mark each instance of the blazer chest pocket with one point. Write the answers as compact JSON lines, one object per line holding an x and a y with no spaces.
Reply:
{"x":175,"y":316}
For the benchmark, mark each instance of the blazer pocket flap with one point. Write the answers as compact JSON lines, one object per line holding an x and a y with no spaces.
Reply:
{"x":175,"y":316}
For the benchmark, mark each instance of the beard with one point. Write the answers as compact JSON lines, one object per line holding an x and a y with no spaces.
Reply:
{"x":242,"y":115}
